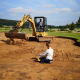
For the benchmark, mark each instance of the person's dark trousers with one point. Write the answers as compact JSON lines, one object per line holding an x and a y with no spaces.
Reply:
{"x":44,"y":60}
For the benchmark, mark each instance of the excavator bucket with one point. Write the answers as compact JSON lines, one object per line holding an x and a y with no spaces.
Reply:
{"x":18,"y":35}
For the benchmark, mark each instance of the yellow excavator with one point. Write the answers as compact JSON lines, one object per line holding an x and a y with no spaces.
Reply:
{"x":40,"y":32}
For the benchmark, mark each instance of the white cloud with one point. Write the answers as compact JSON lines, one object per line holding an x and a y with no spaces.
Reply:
{"x":20,"y":10}
{"x":77,"y":13}
{"x":48,"y":5}
{"x":1,"y":13}
{"x":13,"y":14}
{"x":72,"y":2}
{"x":27,"y":11}
{"x":65,"y":10}
{"x":60,"y":10}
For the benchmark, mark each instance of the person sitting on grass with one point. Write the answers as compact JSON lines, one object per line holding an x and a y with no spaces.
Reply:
{"x":48,"y":53}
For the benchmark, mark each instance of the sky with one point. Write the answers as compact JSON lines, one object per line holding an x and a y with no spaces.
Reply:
{"x":57,"y":12}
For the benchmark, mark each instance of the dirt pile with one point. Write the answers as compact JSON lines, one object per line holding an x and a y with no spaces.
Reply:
{"x":17,"y":62}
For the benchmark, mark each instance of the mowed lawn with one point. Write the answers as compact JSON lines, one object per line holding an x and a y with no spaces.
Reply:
{"x":58,"y":33}
{"x":65,"y":34}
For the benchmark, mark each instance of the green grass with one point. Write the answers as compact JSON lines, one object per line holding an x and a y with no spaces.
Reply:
{"x":3,"y":29}
{"x":65,"y":34}
{"x":26,"y":30}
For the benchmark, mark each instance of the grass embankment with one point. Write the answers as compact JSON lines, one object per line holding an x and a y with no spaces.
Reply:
{"x":65,"y":34}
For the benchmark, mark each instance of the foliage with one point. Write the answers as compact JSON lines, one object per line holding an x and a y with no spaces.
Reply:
{"x":78,"y":22}
{"x":62,"y":29}
{"x":67,"y":26}
{"x":51,"y":27}
{"x":72,"y":27}
{"x":11,"y":22}
{"x":1,"y":25}
{"x":51,"y":30}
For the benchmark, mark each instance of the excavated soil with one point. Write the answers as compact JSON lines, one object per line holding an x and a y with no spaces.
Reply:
{"x":17,"y":62}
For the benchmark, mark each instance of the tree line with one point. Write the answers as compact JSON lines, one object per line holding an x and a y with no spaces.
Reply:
{"x":71,"y":26}
{"x":11,"y":23}
{"x":26,"y":24}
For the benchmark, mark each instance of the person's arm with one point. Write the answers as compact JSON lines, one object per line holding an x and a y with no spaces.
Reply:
{"x":41,"y":55}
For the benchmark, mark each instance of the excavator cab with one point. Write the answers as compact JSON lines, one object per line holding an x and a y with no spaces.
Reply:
{"x":43,"y":26}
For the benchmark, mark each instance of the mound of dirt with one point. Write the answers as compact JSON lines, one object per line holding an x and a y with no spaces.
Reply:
{"x":17,"y":62}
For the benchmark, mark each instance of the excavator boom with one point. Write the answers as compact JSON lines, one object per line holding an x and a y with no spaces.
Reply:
{"x":29,"y":19}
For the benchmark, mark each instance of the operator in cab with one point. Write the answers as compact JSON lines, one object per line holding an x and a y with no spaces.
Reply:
{"x":40,"y":25}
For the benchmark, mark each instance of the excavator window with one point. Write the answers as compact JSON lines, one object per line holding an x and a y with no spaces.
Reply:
{"x":41,"y":24}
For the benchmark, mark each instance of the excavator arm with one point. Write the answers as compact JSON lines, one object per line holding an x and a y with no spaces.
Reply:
{"x":15,"y":34}
{"x":27,"y":18}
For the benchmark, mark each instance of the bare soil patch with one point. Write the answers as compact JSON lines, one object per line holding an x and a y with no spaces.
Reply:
{"x":17,"y":62}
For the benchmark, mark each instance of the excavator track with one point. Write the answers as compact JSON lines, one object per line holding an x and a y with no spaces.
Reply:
{"x":40,"y":39}
{"x":45,"y":38}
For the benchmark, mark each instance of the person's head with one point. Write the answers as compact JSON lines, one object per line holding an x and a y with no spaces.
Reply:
{"x":40,"y":20}
{"x":48,"y":44}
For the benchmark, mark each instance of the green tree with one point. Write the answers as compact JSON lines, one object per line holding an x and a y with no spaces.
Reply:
{"x":50,"y":27}
{"x":78,"y":22}
{"x":72,"y":27}
{"x":1,"y":25}
{"x":67,"y":26}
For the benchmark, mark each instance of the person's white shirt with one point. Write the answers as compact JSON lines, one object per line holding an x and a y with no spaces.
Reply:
{"x":40,"y":24}
{"x":49,"y":54}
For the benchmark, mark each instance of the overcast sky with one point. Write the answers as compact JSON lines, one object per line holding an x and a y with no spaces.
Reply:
{"x":58,"y":12}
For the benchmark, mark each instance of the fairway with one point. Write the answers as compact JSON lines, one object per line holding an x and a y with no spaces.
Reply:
{"x":65,"y":34}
